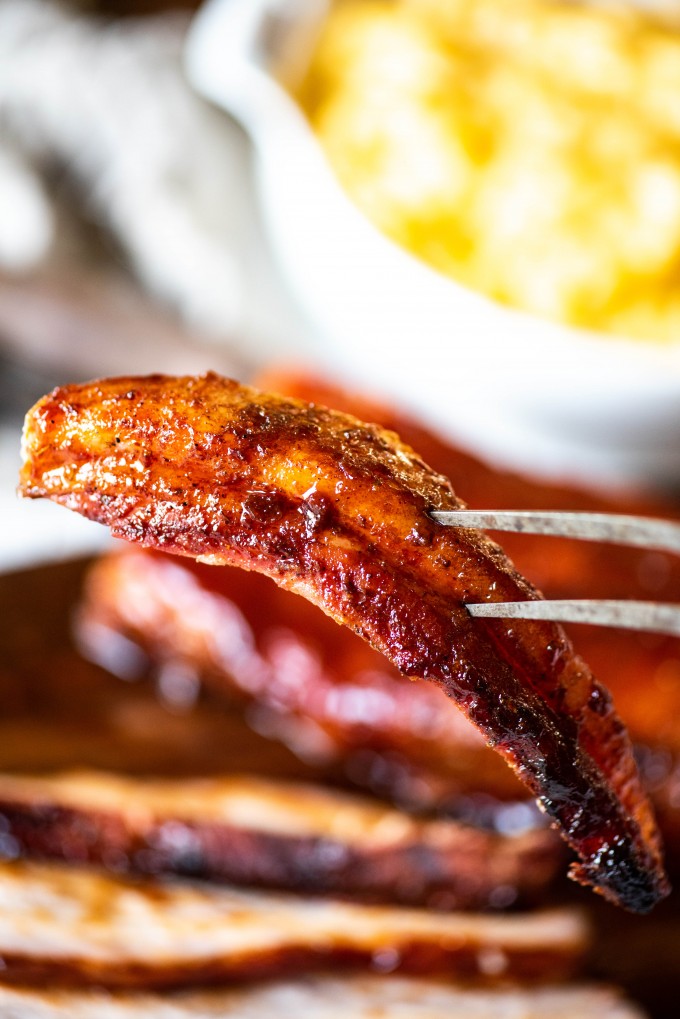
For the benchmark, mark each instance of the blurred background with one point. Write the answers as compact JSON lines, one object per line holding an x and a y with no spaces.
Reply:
{"x":130,"y":238}
{"x":496,"y":246}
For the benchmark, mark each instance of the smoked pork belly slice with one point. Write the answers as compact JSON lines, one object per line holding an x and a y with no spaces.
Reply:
{"x":559,"y":566}
{"x":641,"y":671}
{"x":562,"y":567}
{"x":358,"y":997}
{"x":251,"y":831}
{"x":303,"y":680}
{"x":340,"y":512}
{"x":71,"y":924}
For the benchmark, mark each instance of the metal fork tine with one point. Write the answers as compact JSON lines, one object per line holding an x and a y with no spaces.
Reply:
{"x":632,"y":615}
{"x":619,"y":529}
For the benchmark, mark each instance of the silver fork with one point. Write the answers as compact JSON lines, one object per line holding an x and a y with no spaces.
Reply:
{"x":644,"y":532}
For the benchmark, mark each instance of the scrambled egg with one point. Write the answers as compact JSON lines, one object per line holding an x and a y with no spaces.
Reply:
{"x":528,"y":148}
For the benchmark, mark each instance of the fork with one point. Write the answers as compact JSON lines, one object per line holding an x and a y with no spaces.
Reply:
{"x":620,"y":529}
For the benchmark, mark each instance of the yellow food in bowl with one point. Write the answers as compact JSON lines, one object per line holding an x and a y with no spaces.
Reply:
{"x":529,"y":149}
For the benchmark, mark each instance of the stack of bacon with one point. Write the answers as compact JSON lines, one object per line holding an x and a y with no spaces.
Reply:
{"x":133,"y":892}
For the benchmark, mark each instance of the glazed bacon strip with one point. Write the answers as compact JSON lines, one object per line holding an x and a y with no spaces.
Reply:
{"x":403,"y":740}
{"x":292,"y":836}
{"x":74,"y":926}
{"x":314,"y":685}
{"x":643,"y":675}
{"x":339,"y":511}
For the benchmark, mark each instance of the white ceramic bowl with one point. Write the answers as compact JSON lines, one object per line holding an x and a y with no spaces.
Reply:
{"x":528,"y":392}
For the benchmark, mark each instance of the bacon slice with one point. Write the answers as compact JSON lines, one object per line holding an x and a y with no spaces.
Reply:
{"x":561,"y":567}
{"x":314,"y":685}
{"x":77,"y":926}
{"x":642,"y":672}
{"x":250,"y":831}
{"x":361,"y":997}
{"x":339,"y":512}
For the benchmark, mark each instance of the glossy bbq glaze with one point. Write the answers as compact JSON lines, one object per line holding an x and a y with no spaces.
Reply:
{"x":641,"y":670}
{"x":338,"y":511}
{"x":610,"y":571}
